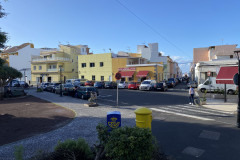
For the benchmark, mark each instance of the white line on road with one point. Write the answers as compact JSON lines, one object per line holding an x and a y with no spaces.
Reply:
{"x":188,"y":108}
{"x":181,"y":114}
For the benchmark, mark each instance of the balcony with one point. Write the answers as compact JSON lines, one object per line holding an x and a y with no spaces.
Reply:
{"x":52,"y":70}
{"x":45,"y":60}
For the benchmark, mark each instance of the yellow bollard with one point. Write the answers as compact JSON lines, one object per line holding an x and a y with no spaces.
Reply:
{"x":143,"y":117}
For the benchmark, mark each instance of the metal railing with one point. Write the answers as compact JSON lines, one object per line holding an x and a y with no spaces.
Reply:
{"x":50,"y":59}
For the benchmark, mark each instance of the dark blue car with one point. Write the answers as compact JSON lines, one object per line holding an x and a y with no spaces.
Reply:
{"x":99,"y":84}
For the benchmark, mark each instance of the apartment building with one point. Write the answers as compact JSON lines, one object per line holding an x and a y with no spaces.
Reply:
{"x":210,"y":59}
{"x":57,"y":66}
{"x":19,"y":57}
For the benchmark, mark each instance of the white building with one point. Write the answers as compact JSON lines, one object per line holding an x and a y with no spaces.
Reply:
{"x":19,"y":57}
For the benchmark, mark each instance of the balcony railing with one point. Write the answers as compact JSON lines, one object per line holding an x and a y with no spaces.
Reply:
{"x":52,"y":70}
{"x":50,"y":59}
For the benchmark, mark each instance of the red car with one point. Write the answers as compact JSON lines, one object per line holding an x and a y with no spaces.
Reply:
{"x":134,"y":85}
{"x":89,"y":83}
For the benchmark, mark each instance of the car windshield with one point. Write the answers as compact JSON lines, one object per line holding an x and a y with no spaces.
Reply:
{"x":132,"y":83}
{"x":146,"y":82}
{"x":108,"y":83}
{"x":122,"y":82}
{"x":170,"y":79}
{"x":160,"y":84}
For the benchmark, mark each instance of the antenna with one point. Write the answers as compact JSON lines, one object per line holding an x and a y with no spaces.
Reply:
{"x":110,"y":50}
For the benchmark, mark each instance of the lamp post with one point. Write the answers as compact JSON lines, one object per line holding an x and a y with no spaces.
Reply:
{"x":60,"y":71}
{"x":238,"y":108}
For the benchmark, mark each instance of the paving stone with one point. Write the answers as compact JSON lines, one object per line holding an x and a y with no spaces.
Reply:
{"x":210,"y":135}
{"x":196,"y":152}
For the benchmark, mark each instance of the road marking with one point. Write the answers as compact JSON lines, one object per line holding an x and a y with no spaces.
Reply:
{"x":188,"y":108}
{"x":181,"y":114}
{"x":209,"y":109}
{"x":196,"y":152}
{"x":209,"y":135}
{"x":103,"y":96}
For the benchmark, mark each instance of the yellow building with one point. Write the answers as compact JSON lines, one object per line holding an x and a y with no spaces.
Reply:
{"x":57,"y":66}
{"x":103,"y":67}
{"x":96,"y":67}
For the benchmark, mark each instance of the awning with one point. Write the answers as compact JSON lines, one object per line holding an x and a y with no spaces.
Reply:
{"x":225,"y":75}
{"x":127,"y":73}
{"x":142,"y":73}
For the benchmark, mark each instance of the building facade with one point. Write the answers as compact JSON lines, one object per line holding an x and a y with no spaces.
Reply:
{"x":57,"y":66}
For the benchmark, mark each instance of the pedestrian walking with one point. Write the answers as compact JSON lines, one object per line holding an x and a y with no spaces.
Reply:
{"x":191,"y":95}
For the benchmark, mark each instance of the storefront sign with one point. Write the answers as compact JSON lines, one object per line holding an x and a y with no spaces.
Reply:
{"x":127,"y":69}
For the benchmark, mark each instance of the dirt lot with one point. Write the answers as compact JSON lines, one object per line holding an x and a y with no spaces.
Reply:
{"x":24,"y":117}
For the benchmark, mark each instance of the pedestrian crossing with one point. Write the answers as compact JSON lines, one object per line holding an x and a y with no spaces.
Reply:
{"x":194,"y":112}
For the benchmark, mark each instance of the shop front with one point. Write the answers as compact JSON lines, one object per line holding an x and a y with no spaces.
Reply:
{"x":127,"y":74}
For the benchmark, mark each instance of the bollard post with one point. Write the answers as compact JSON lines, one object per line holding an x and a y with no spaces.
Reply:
{"x":143,"y":117}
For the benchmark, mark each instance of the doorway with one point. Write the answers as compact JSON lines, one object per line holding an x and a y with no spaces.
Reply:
{"x":49,"y":79}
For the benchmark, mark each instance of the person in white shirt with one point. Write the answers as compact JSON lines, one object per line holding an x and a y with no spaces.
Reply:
{"x":191,"y":95}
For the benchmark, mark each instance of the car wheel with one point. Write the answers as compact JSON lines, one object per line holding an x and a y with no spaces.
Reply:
{"x":203,"y":90}
{"x":230,"y":92}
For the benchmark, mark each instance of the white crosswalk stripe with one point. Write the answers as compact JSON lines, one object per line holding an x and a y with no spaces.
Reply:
{"x":192,"y":112}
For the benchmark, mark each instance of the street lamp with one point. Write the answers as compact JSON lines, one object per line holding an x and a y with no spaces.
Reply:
{"x":238,"y":108}
{"x":60,"y":71}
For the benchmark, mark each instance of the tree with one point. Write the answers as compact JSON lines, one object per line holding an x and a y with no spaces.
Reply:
{"x":3,"y":35}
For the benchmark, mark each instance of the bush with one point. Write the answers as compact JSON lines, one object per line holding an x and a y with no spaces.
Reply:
{"x":71,"y":149}
{"x":130,"y":144}
{"x":39,"y":90}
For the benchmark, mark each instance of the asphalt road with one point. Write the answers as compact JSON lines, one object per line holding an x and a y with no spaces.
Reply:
{"x":183,"y":131}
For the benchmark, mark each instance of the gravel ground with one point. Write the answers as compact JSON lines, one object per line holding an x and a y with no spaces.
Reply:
{"x":84,"y":125}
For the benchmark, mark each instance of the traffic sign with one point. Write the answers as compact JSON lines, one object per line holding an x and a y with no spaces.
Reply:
{"x":208,"y":73}
{"x":118,"y":76}
{"x":235,"y":79}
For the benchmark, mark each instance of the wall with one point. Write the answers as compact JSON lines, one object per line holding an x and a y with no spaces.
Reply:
{"x":200,"y":54}
{"x":117,"y":63}
{"x":98,"y":71}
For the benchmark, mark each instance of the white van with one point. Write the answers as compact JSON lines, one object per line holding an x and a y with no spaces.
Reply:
{"x":147,"y":85}
{"x":210,"y":85}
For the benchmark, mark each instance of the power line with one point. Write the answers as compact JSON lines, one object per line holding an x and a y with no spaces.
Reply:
{"x":149,"y":26}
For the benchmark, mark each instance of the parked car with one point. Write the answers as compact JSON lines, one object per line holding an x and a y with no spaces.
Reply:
{"x":85,"y":92}
{"x":13,"y":91}
{"x":51,"y":87}
{"x":147,"y":85}
{"x":65,"y":88}
{"x":23,"y":84}
{"x":99,"y":84}
{"x":193,"y":84}
{"x":44,"y":85}
{"x":171,"y":82}
{"x":110,"y":85}
{"x":161,"y":86}
{"x":70,"y":81}
{"x":89,"y":83}
{"x":134,"y":85}
{"x":123,"y":84}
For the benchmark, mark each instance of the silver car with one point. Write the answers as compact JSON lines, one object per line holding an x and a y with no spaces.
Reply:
{"x":193,"y":84}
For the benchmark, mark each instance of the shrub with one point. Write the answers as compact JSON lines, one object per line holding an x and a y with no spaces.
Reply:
{"x":130,"y":144}
{"x":18,"y":153}
{"x":39,"y":90}
{"x":71,"y":149}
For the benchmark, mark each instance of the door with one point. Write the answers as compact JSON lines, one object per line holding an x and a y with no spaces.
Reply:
{"x":49,"y":79}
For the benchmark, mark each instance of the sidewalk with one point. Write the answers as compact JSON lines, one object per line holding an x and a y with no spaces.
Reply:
{"x":219,"y":104}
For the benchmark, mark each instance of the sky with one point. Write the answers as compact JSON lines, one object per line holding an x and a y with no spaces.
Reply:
{"x":177,"y":26}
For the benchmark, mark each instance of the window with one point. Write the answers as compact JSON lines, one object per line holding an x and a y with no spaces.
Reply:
{"x":231,"y":56}
{"x":84,"y":65}
{"x":72,"y":70}
{"x":101,"y":64}
{"x":92,"y":64}
{"x":102,"y":78}
{"x":39,"y":67}
{"x":72,"y":60}
{"x":82,"y":77}
{"x":54,"y":66}
{"x":34,"y":67}
{"x":93,"y":78}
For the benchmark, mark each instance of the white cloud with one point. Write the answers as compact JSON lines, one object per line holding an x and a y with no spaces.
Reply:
{"x":183,"y":62}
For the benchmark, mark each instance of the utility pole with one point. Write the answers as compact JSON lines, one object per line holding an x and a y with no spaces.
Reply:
{"x":60,"y":71}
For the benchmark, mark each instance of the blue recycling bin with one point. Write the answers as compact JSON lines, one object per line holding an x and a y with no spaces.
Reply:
{"x":113,"y":120}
